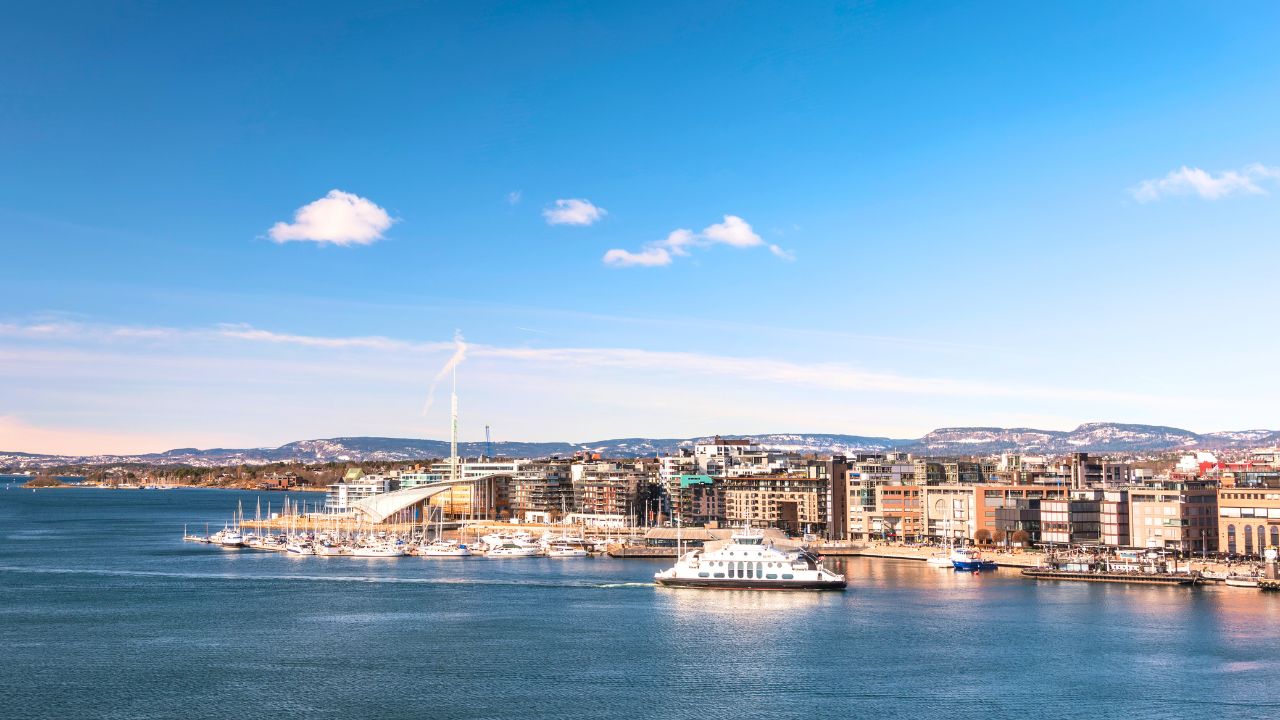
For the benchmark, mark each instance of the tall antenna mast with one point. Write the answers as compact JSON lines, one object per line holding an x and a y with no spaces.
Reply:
{"x":453,"y":442}
{"x":488,"y":443}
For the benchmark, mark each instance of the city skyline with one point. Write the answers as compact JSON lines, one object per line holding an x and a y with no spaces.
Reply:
{"x":240,"y":226}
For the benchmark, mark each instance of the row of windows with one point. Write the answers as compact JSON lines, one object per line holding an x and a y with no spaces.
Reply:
{"x":769,"y":576}
{"x":1249,"y":512}
{"x":1249,"y":531}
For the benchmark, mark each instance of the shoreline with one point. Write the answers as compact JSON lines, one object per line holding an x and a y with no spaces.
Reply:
{"x":1018,"y":559}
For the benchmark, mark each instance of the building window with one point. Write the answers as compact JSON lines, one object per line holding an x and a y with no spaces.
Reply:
{"x":1231,"y":539}
{"x":1248,"y":539}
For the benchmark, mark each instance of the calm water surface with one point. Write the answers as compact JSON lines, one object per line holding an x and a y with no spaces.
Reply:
{"x":105,"y":613}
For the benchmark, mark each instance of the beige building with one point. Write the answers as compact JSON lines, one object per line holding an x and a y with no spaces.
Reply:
{"x":1248,"y":519}
{"x":1174,"y":515}
{"x":949,"y":511}
{"x":793,"y":503}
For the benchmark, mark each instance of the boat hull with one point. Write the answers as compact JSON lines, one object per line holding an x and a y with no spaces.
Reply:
{"x":1241,"y":582}
{"x":973,"y":565}
{"x":747,"y":584}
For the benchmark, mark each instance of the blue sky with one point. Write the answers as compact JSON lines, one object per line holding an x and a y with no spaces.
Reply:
{"x":953,"y":193}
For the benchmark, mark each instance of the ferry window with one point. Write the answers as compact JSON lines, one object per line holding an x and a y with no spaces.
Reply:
{"x":758,"y":570}
{"x":788,"y":576}
{"x":704,"y":574}
{"x":731,"y":574}
{"x":771,"y":576}
{"x":719,"y":575}
{"x":750,"y":570}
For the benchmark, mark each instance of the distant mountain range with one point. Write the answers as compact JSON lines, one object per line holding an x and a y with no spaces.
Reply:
{"x":1091,"y":437}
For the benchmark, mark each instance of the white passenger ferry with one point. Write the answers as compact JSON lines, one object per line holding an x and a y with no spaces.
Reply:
{"x":747,"y":562}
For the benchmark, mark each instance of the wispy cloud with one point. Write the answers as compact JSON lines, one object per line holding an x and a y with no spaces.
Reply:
{"x":780,"y":253}
{"x":574,"y":211}
{"x":1194,"y":181}
{"x":732,"y":231}
{"x":339,"y":218}
{"x":514,"y":197}
{"x":648,"y":257}
{"x":87,"y":378}
{"x":825,"y":375}
{"x":247,"y":332}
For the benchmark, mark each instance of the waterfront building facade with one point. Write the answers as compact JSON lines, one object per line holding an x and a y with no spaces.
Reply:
{"x":341,"y":496}
{"x":699,"y":500}
{"x":1248,"y":519}
{"x":607,"y":488}
{"x":1174,"y":514}
{"x":795,"y":504}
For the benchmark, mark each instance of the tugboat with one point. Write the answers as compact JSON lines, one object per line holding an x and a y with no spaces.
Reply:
{"x":746,"y":562}
{"x":970,"y":560}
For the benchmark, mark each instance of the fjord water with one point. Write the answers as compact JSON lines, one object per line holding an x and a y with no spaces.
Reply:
{"x":104,"y":612}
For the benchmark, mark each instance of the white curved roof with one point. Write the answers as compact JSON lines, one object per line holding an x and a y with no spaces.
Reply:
{"x":378,"y":508}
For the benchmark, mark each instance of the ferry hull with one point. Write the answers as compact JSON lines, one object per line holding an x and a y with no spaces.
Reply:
{"x":745,"y":584}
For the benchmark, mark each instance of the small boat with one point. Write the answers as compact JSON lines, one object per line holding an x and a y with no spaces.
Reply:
{"x":941,"y":560}
{"x":226,"y":537}
{"x":1241,"y":581}
{"x":566,"y":551}
{"x":300,"y":548}
{"x":970,"y":560}
{"x":379,"y":550}
{"x":746,"y":562}
{"x":511,"y":550}
{"x":328,"y":549}
{"x":444,"y":549}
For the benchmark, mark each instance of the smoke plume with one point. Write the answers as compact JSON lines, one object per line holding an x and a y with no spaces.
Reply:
{"x":459,"y":354}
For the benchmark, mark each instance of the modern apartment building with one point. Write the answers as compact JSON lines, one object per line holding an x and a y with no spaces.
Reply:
{"x":795,"y":504}
{"x":1174,"y":514}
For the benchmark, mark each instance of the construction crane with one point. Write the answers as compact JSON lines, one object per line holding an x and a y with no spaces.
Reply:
{"x":488,"y":443}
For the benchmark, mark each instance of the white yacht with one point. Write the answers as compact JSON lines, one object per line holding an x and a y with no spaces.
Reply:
{"x":565,"y":550}
{"x":228,"y":537}
{"x":747,"y":562}
{"x":511,"y":550}
{"x":444,"y":548}
{"x":378,"y":550}
{"x":328,"y":548}
{"x":300,"y":547}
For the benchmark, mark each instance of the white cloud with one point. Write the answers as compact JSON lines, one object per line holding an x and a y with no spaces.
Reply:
{"x":513,"y":197}
{"x":1194,"y":181}
{"x":573,"y":211}
{"x":649,"y":257}
{"x":340,"y":218}
{"x":733,"y":231}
